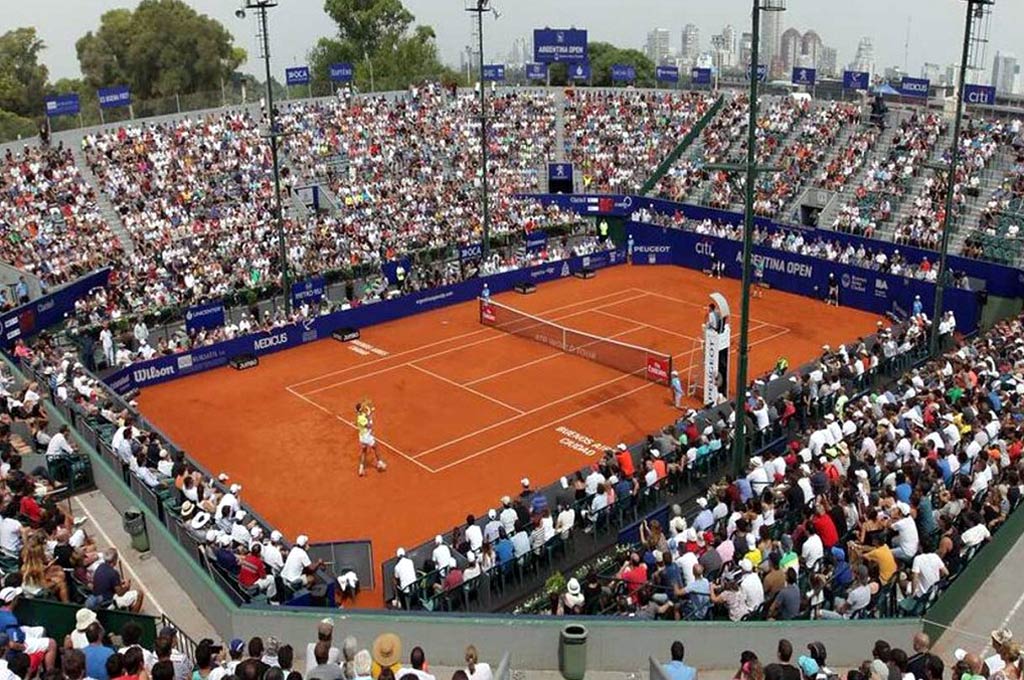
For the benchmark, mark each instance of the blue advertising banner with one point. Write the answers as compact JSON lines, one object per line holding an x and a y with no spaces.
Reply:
{"x":62,"y":105}
{"x":580,"y":71}
{"x":804,"y":76}
{"x":166,"y":368}
{"x":536,"y":71}
{"x":536,"y":240}
{"x":296,"y":75}
{"x":396,"y":271}
{"x":39,"y":314}
{"x":341,"y":73}
{"x":623,"y":73}
{"x":114,"y":97}
{"x":700,"y":76}
{"x":494,"y":72}
{"x":208,"y":315}
{"x":982,"y":95}
{"x":762,"y":73}
{"x":471,"y":251}
{"x":551,"y":45}
{"x":856,"y":80}
{"x":559,"y":172}
{"x":860,"y":288}
{"x":310,"y":291}
{"x":914,"y":87}
{"x":667,"y":74}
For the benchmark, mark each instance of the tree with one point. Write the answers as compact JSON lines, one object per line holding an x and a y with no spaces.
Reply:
{"x":602,"y":55}
{"x":162,"y":48}
{"x":378,"y":37}
{"x":22,"y":77}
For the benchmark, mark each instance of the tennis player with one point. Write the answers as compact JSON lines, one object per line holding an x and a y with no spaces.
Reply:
{"x":758,"y":290}
{"x":367,"y":442}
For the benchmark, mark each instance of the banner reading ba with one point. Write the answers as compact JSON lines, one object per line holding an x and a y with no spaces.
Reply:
{"x":623,"y":73}
{"x":667,"y":74}
{"x":297,"y":75}
{"x":311,"y":291}
{"x":62,"y":105}
{"x":551,"y":45}
{"x":494,"y":72}
{"x":856,"y":80}
{"x":114,"y":97}
{"x":536,"y":71}
{"x":804,"y":76}
{"x":700,"y":76}
{"x":471,"y":251}
{"x":341,"y":73}
{"x":207,"y":315}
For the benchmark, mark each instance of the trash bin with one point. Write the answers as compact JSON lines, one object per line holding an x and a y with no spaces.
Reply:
{"x":135,"y":525}
{"x":572,"y":652}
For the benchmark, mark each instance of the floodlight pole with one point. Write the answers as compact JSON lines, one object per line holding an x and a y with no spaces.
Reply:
{"x":481,"y":7}
{"x":261,"y":7}
{"x":942,"y":277}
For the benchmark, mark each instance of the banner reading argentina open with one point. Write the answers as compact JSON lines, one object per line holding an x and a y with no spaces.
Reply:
{"x":567,"y":45}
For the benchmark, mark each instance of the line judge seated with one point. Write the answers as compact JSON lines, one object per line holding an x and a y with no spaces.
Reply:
{"x":715,"y":319}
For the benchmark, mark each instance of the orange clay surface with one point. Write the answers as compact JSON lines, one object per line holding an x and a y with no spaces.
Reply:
{"x":463,"y":411}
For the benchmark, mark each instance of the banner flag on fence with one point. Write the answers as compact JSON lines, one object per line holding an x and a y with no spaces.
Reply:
{"x":471,"y":251}
{"x":342,"y":73}
{"x":623,"y":73}
{"x":494,"y":72}
{"x":914,"y":87}
{"x":580,"y":71}
{"x":536,"y":71}
{"x":983,"y":95}
{"x":536,"y":240}
{"x":310,"y":291}
{"x":856,"y":80}
{"x":804,"y":76}
{"x":700,"y":76}
{"x":296,"y":75}
{"x":207,"y":315}
{"x":114,"y":97}
{"x":62,"y":105}
{"x":667,"y":74}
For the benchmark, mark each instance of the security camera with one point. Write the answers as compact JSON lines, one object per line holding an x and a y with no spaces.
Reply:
{"x":240,"y":12}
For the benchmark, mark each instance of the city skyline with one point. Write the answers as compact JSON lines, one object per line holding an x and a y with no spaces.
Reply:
{"x":935,"y":30}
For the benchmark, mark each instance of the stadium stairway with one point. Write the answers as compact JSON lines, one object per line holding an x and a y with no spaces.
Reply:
{"x":110,"y":215}
{"x":991,"y":179}
{"x":560,"y":148}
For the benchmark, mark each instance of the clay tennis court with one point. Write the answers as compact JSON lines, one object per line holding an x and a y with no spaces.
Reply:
{"x":463,"y":410}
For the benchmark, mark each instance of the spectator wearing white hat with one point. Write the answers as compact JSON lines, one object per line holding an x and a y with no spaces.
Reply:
{"x":493,"y":527}
{"x":441,"y":554}
{"x":271,"y":552}
{"x":299,"y":570}
{"x":750,"y":585}
{"x":405,"y":577}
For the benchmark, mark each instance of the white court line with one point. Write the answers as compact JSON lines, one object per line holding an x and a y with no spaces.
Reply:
{"x":569,"y":416}
{"x":358,"y":350}
{"x":646,"y":325}
{"x":353,"y":426}
{"x":498,"y":335}
{"x":378,"y":351}
{"x":458,"y":337}
{"x":694,"y":304}
{"x":461,"y":386}
{"x":132,"y":574}
{"x":546,"y":357}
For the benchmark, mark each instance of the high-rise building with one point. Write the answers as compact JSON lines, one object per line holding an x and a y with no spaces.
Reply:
{"x":811,"y":46}
{"x":746,"y":42}
{"x":520,"y":53}
{"x":724,"y":48}
{"x":789,"y":49}
{"x":771,"y":35}
{"x":1005,"y":69}
{"x":690,"y":45}
{"x":657,"y":48}
{"x":828,"y":62}
{"x":931,"y":72}
{"x":865,"y":59}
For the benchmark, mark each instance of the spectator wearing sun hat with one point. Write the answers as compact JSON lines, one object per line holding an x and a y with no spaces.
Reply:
{"x":83,"y":619}
{"x":386,"y":652}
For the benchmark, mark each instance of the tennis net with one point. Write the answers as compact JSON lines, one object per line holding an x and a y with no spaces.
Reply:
{"x":640,"y":361}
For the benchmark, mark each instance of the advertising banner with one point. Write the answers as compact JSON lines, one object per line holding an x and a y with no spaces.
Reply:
{"x":341,"y":73}
{"x":62,"y":105}
{"x":208,"y":315}
{"x":551,"y":45}
{"x":297,"y":75}
{"x":114,"y":97}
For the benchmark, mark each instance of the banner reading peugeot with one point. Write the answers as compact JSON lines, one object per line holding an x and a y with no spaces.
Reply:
{"x":551,"y":45}
{"x":208,"y":315}
{"x":580,"y":71}
{"x":297,"y":75}
{"x":804,"y":76}
{"x":494,"y":72}
{"x":856,"y":80}
{"x":982,"y":95}
{"x":914,"y":87}
{"x":62,"y":105}
{"x":623,"y":73}
{"x":700,"y":76}
{"x":341,"y":73}
{"x":667,"y":74}
{"x":536,"y":71}
{"x":114,"y":97}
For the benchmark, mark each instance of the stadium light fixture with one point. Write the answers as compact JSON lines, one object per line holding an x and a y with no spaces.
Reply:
{"x":273,"y":132}
{"x":480,"y":7}
{"x":976,"y":11}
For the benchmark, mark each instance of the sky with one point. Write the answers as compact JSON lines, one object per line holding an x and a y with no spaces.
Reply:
{"x":936,"y":26}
